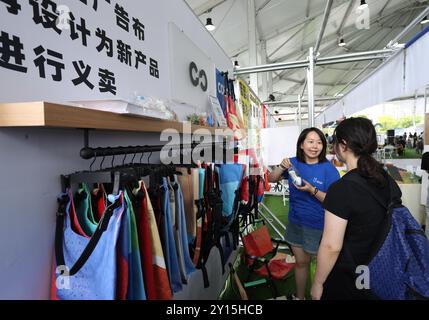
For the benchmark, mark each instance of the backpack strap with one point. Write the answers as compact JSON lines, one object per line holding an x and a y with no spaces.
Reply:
{"x":212,"y":231}
{"x":218,"y":220}
{"x":393,"y":200}
{"x":385,"y":225}
{"x":206,"y":232}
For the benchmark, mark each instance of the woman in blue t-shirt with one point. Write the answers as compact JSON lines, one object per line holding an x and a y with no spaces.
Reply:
{"x":306,"y":215}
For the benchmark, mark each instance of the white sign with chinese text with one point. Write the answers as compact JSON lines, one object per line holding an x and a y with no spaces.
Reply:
{"x":80,"y":50}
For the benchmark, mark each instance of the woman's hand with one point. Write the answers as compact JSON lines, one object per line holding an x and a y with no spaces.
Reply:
{"x":316,"y":291}
{"x":306,"y":187}
{"x":285,"y":164}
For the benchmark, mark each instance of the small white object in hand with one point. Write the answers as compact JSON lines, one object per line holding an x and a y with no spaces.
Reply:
{"x":297,"y":181}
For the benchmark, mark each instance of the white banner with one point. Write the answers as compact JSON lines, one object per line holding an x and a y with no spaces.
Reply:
{"x":192,"y":72}
{"x":73,"y":50}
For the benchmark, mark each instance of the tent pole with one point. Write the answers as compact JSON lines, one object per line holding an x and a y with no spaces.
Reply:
{"x":299,"y":113}
{"x":310,"y":78}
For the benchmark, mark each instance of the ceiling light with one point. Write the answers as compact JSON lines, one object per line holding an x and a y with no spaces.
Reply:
{"x":425,"y":20}
{"x":363,"y":5}
{"x":276,"y":112}
{"x":236,"y":64}
{"x":341,"y":43}
{"x":209,"y":24}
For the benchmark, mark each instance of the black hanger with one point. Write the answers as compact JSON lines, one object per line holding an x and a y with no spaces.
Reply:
{"x":89,"y":177}
{"x":142,"y":169}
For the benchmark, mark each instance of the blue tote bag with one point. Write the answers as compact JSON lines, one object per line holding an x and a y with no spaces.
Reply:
{"x":86,"y":268}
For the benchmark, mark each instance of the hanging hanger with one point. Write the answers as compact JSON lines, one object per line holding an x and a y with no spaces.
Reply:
{"x":89,"y":177}
{"x":154,"y":175}
{"x":146,"y":168}
{"x":118,"y":176}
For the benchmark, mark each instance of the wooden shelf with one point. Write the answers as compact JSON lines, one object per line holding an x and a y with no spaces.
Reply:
{"x":47,"y":114}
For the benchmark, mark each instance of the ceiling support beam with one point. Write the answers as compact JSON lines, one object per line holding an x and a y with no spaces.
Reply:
{"x":279,"y":32}
{"x":297,"y":101}
{"x":264,"y":76}
{"x":346,"y":15}
{"x":352,"y":57}
{"x":407,"y":29}
{"x":286,"y":41}
{"x":321,"y":68}
{"x":414,"y":23}
{"x":384,"y":7}
{"x":251,"y":28}
{"x":323,"y":27}
{"x":352,"y":67}
{"x":207,"y":6}
{"x":263,"y":6}
{"x":364,"y":69}
{"x":348,"y":32}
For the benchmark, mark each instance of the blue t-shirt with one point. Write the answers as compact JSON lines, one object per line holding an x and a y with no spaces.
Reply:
{"x":304,"y":208}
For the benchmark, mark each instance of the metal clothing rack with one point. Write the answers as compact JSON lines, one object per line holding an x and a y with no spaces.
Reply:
{"x":89,"y":152}
{"x":103,"y":175}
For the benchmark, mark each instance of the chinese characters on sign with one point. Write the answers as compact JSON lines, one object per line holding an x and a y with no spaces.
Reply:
{"x":50,"y":63}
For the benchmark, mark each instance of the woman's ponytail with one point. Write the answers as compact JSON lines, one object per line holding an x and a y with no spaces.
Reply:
{"x":371,"y":169}
{"x":360,"y":136}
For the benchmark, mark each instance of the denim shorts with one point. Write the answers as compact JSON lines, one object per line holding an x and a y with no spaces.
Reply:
{"x":303,"y":237}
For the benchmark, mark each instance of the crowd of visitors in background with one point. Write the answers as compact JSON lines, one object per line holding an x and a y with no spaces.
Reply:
{"x":407,"y":141}
{"x":412,"y":141}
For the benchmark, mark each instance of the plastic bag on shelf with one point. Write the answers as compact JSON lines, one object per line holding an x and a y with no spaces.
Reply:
{"x":155,"y":108}
{"x":136,"y":106}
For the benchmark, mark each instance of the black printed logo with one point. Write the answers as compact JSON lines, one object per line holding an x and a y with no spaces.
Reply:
{"x":198,"y":77}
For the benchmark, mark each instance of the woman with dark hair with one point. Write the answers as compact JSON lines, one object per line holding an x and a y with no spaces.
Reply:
{"x":305,"y":226}
{"x":353,"y":217}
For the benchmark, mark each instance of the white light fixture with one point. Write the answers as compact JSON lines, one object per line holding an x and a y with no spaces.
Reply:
{"x":363,"y":5}
{"x":236,"y":64}
{"x":209,"y":24}
{"x":425,"y":20}
{"x":341,"y":43}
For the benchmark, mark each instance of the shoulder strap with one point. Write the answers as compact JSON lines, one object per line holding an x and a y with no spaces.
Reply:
{"x":394,"y":201}
{"x":102,"y":226}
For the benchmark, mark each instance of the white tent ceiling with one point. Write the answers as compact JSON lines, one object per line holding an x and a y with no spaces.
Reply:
{"x":291,"y":27}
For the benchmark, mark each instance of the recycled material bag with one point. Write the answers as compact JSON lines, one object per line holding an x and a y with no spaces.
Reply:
{"x":85,"y":269}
